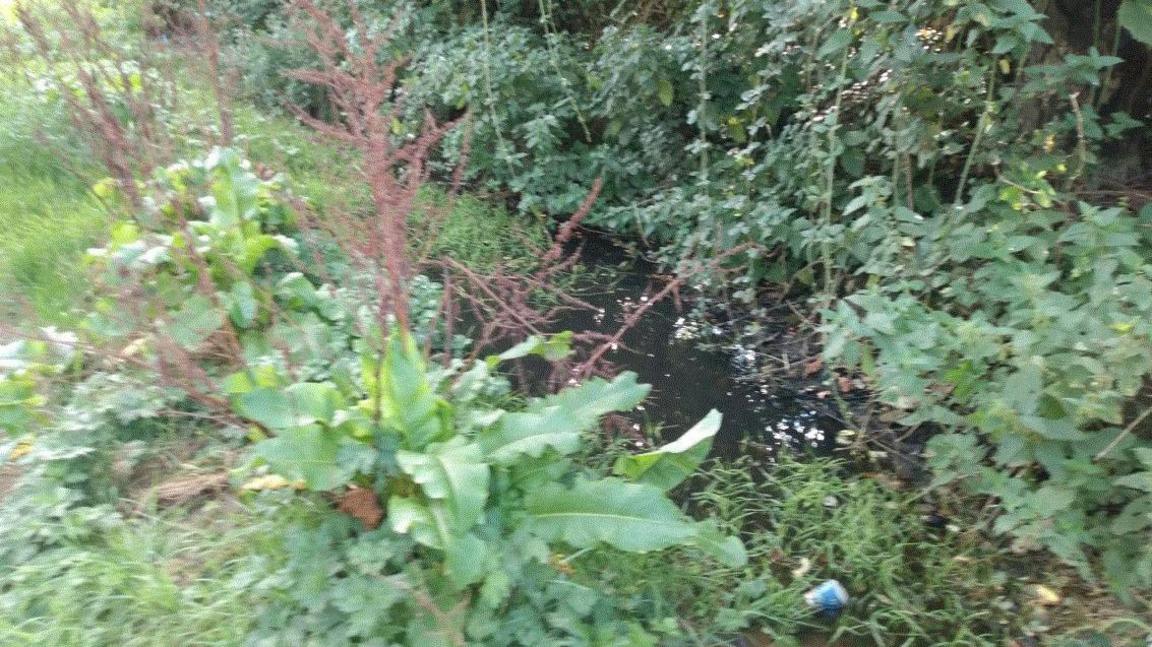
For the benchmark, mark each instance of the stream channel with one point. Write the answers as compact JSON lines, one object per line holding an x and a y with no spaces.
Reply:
{"x":693,"y":364}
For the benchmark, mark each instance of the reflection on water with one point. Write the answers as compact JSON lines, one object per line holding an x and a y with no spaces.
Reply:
{"x":688,"y":377}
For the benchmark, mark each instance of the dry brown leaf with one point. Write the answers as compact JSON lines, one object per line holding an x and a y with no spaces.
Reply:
{"x":364,"y":505}
{"x":845,"y":384}
{"x":813,"y":367}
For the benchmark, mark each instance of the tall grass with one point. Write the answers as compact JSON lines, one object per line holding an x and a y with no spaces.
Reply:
{"x":47,"y":214}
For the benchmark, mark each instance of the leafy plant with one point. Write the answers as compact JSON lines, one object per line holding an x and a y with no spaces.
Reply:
{"x":472,"y":487}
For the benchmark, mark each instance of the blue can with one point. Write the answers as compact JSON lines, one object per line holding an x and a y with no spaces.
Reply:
{"x":828,"y":597}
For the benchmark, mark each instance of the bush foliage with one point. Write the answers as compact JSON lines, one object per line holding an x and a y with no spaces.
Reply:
{"x":931,"y":172}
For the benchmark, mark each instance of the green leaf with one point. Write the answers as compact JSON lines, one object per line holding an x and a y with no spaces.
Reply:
{"x":255,"y":248}
{"x":299,"y":404}
{"x":234,"y":189}
{"x":669,"y":465}
{"x":321,"y":458}
{"x":410,"y":516}
{"x":466,"y":560}
{"x":407,"y":401}
{"x":839,"y":39}
{"x":315,"y":401}
{"x":629,"y":516}
{"x":1135,"y":516}
{"x":553,"y":348}
{"x":1139,"y":481}
{"x":194,"y":322}
{"x":725,"y":549}
{"x":250,"y":379}
{"x":242,"y":304}
{"x":887,"y":16}
{"x":664,"y":92}
{"x":1136,"y":17}
{"x":453,"y":474}
{"x":557,"y":421}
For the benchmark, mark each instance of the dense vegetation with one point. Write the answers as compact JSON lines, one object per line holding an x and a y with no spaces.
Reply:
{"x":951,"y":195}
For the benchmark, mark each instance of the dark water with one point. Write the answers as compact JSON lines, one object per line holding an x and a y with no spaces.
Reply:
{"x":693,"y":363}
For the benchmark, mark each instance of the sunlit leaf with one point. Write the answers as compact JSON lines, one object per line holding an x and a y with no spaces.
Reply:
{"x":669,"y":465}
{"x":629,"y":516}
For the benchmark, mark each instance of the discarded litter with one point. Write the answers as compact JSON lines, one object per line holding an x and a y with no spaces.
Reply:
{"x":827,"y":597}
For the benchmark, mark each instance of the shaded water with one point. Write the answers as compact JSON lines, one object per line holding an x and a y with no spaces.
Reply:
{"x":692,"y":363}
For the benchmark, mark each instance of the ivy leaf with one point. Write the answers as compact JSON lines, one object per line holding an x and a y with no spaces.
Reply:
{"x":557,"y":421}
{"x":322,"y":459}
{"x":1136,"y":17}
{"x":629,"y":516}
{"x":669,"y":465}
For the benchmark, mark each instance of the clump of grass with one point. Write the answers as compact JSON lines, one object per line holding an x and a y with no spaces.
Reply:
{"x":47,"y":215}
{"x":806,"y":522}
{"x":482,"y":235}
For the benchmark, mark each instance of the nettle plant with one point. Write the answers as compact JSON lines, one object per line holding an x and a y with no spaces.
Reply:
{"x":488,"y":499}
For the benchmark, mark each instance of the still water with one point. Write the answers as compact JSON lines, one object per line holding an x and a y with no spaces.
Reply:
{"x":692,"y":362}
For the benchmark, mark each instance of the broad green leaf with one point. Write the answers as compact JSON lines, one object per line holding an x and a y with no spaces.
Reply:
{"x":553,"y":348}
{"x":250,"y":379}
{"x":1136,"y":17}
{"x":466,"y":560}
{"x":453,"y":474}
{"x":669,"y":465}
{"x":557,"y":421}
{"x":531,"y":434}
{"x":629,"y":516}
{"x":299,"y":404}
{"x":194,"y":322}
{"x":315,"y":401}
{"x":255,"y":248}
{"x":723,"y":548}
{"x":411,"y":516}
{"x":234,"y":189}
{"x":1139,"y":481}
{"x":242,"y":306}
{"x":321,"y":458}
{"x":405,"y":395}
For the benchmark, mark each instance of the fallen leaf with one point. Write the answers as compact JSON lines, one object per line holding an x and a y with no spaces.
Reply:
{"x":813,"y":367}
{"x":364,"y":505}
{"x":1045,"y":596}
{"x":271,"y":482}
{"x":802,"y":570}
{"x":845,"y":384}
